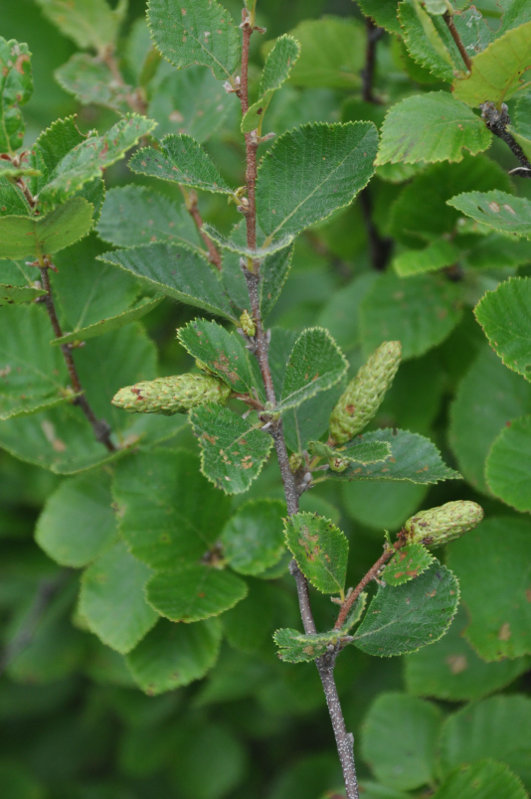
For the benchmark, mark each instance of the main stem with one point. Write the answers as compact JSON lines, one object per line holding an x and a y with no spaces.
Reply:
{"x":325,"y":665}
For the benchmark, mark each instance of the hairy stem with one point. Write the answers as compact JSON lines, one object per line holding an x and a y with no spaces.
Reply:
{"x":448,"y":18}
{"x":386,"y":555}
{"x":497,"y":121}
{"x":251,"y":268}
{"x":100,"y":427}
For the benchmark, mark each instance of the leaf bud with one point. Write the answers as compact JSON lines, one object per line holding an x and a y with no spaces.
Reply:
{"x":247,"y":324}
{"x":174,"y":394}
{"x":439,"y":525}
{"x":338,"y":464}
{"x":364,"y":394}
{"x":295,"y":461}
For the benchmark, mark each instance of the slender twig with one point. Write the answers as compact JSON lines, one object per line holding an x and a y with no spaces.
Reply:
{"x":46,"y":590}
{"x":497,"y":120}
{"x":374,"y":34}
{"x":190,"y":200}
{"x":448,"y":18}
{"x":134,"y":98}
{"x":386,"y":555}
{"x":325,"y":664}
{"x":100,"y":427}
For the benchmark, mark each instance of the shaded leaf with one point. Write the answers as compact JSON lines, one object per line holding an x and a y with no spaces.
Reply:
{"x":501,"y":724}
{"x":180,"y":159}
{"x":90,"y":23}
{"x":33,"y":375}
{"x":194,"y":592}
{"x":233,"y":450}
{"x":493,"y":569}
{"x":496,"y":209}
{"x":253,"y":539}
{"x":382,"y":504}
{"x":427,"y":40}
{"x":506,"y":472}
{"x":16,"y":87}
{"x":320,"y":549}
{"x":420,"y":312}
{"x":172,"y":655}
{"x":431,"y":127}
{"x":406,"y":564}
{"x":311,"y":171}
{"x":315,"y":364}
{"x":435,"y":256}
{"x":136,"y":311}
{"x":451,"y":670}
{"x":32,"y":236}
{"x":175,"y":271}
{"x":399,"y":740}
{"x":112,"y":588}
{"x":383,"y":13}
{"x":77,"y":521}
{"x":198,"y":32}
{"x":403,"y":618}
{"x":91,"y":81}
{"x":498,"y":70}
{"x":169,"y":513}
{"x":278,"y":65}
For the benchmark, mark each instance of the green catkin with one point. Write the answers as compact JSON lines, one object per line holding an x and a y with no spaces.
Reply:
{"x":439,"y":525}
{"x":364,"y":394}
{"x":174,"y":394}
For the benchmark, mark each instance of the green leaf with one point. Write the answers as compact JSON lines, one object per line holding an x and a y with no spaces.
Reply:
{"x":33,"y":375}
{"x":277,"y":68}
{"x":475,"y":422}
{"x":496,"y":209}
{"x":194,"y":592}
{"x":501,"y":724}
{"x":431,"y":127}
{"x":407,"y":564}
{"x":169,"y":514}
{"x":312,"y":171}
{"x":133,"y":215}
{"x":436,"y":255}
{"x":77,"y":522}
{"x":112,"y":588}
{"x":320,"y":549}
{"x":86,"y":160}
{"x":486,"y":778}
{"x":361,"y":451}
{"x":331,"y":53}
{"x":190,"y":101}
{"x":9,"y":170}
{"x":413,"y":458}
{"x":296,"y":647}
{"x":233,"y":450}
{"x":16,"y":87}
{"x":136,"y":311}
{"x":451,"y":670}
{"x":253,"y":539}
{"x":493,"y":568}
{"x":173,"y":655}
{"x":223,"y":353}
{"x":505,"y":471}
{"x":31,"y":236}
{"x":51,"y":147}
{"x":382,"y":504}
{"x":315,"y":364}
{"x":399,"y":740}
{"x":497,"y":72}
{"x":18,"y":283}
{"x":175,"y":271}
{"x":12,"y":201}
{"x":383,"y":13}
{"x":201,"y":32}
{"x":91,"y":81}
{"x":90,"y":23}
{"x":242,"y":249}
{"x":403,"y":618}
{"x":420,"y":312}
{"x":180,"y":159}
{"x":426,"y":39}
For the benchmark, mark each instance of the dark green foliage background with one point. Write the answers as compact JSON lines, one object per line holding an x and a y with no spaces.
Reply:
{"x":73,"y":723}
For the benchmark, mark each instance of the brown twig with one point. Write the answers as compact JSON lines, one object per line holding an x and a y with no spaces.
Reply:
{"x":374,"y":34}
{"x":325,"y":665}
{"x":100,"y":427}
{"x":497,"y":121}
{"x":386,"y":555}
{"x":190,"y":200}
{"x":448,"y":18}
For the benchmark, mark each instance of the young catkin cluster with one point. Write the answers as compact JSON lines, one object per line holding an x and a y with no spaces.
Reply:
{"x":364,"y":394}
{"x":174,"y":394}
{"x":439,"y":525}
